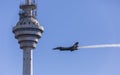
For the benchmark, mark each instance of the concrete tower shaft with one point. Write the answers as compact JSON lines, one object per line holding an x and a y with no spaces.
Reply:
{"x":27,"y":61}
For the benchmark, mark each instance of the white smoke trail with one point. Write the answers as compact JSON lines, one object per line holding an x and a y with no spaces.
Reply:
{"x":101,"y":46}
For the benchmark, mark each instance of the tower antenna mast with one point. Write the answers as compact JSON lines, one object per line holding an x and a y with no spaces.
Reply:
{"x":28,"y":2}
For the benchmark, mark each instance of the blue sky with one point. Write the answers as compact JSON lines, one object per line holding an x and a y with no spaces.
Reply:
{"x":65,"y":21}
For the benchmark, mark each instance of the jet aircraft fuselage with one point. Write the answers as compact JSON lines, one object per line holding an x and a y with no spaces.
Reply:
{"x":71,"y":48}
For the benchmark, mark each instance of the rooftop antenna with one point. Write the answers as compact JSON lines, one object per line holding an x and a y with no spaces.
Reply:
{"x":27,"y":31}
{"x":28,"y":2}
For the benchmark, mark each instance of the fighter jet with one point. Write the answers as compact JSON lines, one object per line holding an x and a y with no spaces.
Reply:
{"x":71,"y":48}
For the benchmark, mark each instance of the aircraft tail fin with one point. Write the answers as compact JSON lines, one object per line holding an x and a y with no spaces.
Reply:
{"x":76,"y":43}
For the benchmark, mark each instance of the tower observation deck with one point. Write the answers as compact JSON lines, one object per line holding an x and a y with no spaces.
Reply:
{"x":28,"y":31}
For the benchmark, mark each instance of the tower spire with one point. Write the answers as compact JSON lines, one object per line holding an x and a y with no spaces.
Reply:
{"x":28,"y":2}
{"x":27,"y":31}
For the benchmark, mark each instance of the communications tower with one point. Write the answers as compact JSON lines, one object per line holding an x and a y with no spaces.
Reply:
{"x":27,"y":31}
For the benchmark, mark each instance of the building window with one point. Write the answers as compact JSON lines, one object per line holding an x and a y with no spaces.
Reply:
{"x":24,"y":22}
{"x":29,"y":22}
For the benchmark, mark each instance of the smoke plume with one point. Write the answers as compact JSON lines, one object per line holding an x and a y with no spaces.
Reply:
{"x":101,"y":46}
